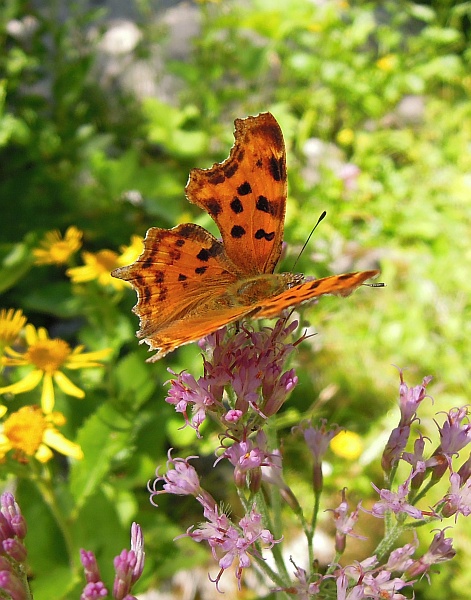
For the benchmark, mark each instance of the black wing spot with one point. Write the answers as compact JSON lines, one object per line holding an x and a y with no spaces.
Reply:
{"x":214,"y":207}
{"x":182,"y":277}
{"x":314,"y":284}
{"x":163,"y":293}
{"x":259,"y":163}
{"x":185,"y":231}
{"x":236,"y":206}
{"x":231,"y":170}
{"x":146,"y":295}
{"x":201,"y":270}
{"x":237,"y":232}
{"x":262,"y":234}
{"x":180,"y":243}
{"x":203,"y":255}
{"x":174,"y":254}
{"x":159,"y":277}
{"x":215,"y":249}
{"x":264,"y":205}
{"x":277,"y":168}
{"x":244,"y":189}
{"x":345,"y":276}
{"x":216,"y":178}
{"x":148,"y":262}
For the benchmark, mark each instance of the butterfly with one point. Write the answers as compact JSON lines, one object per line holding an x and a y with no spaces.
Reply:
{"x":190,"y":284}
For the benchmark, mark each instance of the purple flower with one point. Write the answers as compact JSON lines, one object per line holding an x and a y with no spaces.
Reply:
{"x":12,"y":585}
{"x":186,"y":392}
{"x":409,"y":402}
{"x":418,"y":462}
{"x":229,"y":543}
{"x":456,"y":432}
{"x":344,"y":522}
{"x":304,"y":589}
{"x":396,"y":502}
{"x":12,"y":513}
{"x":181,"y":480}
{"x":440,"y":550}
{"x":128,"y":565}
{"x":317,"y":440}
{"x":90,"y":565}
{"x":94,"y":591}
{"x":410,"y":399}
{"x":458,"y":499}
{"x":399,"y":560}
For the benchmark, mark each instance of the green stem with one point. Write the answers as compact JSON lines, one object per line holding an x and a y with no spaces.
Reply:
{"x":43,"y":481}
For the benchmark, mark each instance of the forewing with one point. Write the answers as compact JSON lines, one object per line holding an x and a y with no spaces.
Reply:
{"x":246,"y":194}
{"x":340,"y":285}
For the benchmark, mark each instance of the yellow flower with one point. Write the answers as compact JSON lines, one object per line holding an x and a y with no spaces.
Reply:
{"x":48,"y":357}
{"x":347,"y":444}
{"x":99,"y":266}
{"x":387,"y":62}
{"x":11,"y":323}
{"x":345,"y":137}
{"x":31,"y":433}
{"x":56,"y":250}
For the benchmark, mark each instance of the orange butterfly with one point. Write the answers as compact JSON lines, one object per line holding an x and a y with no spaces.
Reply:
{"x":189,"y":284}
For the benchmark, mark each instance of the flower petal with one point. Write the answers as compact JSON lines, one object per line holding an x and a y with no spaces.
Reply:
{"x":26,"y":384}
{"x":43,"y":454}
{"x":67,"y":386}
{"x":56,"y":440}
{"x":47,"y":396}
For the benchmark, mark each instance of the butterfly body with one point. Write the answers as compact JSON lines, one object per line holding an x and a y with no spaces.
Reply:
{"x":190,"y":284}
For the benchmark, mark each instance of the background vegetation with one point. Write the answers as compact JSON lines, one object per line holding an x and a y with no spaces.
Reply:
{"x":100,"y":132}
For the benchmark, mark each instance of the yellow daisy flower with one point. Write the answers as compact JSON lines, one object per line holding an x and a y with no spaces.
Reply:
{"x":31,"y":433}
{"x":11,"y":323}
{"x":56,"y":250}
{"x":99,"y":266}
{"x":48,"y":357}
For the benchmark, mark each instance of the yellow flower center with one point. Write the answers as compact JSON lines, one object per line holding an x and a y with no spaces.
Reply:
{"x":48,"y":355}
{"x":25,"y":429}
{"x":106,"y":261}
{"x":60,"y":251}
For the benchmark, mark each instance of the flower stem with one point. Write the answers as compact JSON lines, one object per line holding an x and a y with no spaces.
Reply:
{"x":43,"y":481}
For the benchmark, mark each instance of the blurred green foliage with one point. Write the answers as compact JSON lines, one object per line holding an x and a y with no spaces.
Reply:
{"x":374,"y":102}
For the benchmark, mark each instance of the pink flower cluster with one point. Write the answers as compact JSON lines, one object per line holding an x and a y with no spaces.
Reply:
{"x":128,"y":565}
{"x":13,"y":579}
{"x":244,"y":383}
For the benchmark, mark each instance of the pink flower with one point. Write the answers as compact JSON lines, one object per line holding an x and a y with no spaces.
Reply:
{"x":410,"y":399}
{"x":344,"y":523}
{"x":181,"y":479}
{"x":396,"y":502}
{"x":229,"y":543}
{"x":440,"y":550}
{"x":458,"y":499}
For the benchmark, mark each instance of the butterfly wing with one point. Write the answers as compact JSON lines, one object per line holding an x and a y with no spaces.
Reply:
{"x":340,"y":285}
{"x":246,"y":194}
{"x":179,"y":279}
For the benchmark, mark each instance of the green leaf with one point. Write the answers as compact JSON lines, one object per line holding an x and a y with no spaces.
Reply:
{"x":16,"y":261}
{"x":101,"y":438}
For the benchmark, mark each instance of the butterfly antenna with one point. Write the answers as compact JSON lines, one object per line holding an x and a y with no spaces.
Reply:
{"x":308,"y":238}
